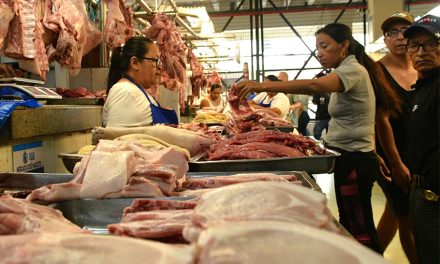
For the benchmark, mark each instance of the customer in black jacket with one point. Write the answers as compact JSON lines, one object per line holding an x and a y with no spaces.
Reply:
{"x":423,"y":137}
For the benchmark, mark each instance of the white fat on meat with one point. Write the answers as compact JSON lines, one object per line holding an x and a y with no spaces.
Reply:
{"x":64,"y":248}
{"x":18,"y":216}
{"x":107,"y":145}
{"x":107,"y":174}
{"x":279,"y":242}
{"x":56,"y":192}
{"x":141,"y":187}
{"x":276,"y":201}
{"x":218,"y":181}
{"x":152,"y":224}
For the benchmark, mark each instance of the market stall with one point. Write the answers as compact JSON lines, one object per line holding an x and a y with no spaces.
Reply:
{"x":215,"y":187}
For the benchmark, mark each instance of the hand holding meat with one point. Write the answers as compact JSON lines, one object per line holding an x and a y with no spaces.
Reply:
{"x":247,"y":87}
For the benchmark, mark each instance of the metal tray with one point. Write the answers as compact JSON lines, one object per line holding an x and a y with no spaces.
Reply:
{"x":70,"y":159}
{"x":30,"y":181}
{"x":96,"y":214}
{"x":311,"y":164}
{"x":302,"y":176}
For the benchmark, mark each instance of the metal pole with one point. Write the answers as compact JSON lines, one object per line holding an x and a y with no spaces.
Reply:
{"x":343,"y":10}
{"x":262,"y":40}
{"x":103,"y":50}
{"x":252,"y":40}
{"x":257,"y":36}
{"x":231,"y":17}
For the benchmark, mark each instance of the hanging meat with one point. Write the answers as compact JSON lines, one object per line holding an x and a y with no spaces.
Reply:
{"x":6,"y":15}
{"x":118,"y":24}
{"x":172,"y":54}
{"x":198,"y":78}
{"x":76,"y":33}
{"x":20,"y":40}
{"x":24,"y":40}
{"x":213,"y":78}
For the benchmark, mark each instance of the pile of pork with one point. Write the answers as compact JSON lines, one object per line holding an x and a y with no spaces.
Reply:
{"x":120,"y":169}
{"x":262,"y":145}
{"x":39,"y":234}
{"x":252,"y":222}
{"x":243,"y":119}
{"x":31,"y":233}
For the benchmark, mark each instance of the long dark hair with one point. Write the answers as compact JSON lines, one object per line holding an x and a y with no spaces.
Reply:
{"x":386,"y":98}
{"x":120,"y":62}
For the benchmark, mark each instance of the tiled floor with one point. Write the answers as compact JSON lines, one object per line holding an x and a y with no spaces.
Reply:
{"x":394,"y":252}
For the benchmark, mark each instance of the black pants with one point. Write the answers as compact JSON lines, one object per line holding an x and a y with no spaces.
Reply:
{"x":426,"y":221}
{"x":355,"y":173}
{"x":303,"y":120}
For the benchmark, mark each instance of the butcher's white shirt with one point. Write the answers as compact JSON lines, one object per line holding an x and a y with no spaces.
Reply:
{"x":126,"y":106}
{"x":280,"y":101}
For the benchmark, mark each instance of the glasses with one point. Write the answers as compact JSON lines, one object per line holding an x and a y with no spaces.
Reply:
{"x":156,"y":60}
{"x":395,"y":32}
{"x":427,"y":46}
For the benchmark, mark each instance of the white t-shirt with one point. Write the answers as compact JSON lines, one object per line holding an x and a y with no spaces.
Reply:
{"x":280,"y":101}
{"x":126,"y":106}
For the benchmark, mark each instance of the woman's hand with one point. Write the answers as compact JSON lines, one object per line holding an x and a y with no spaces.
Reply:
{"x":247,"y":87}
{"x":401,"y":176}
{"x":384,"y":171}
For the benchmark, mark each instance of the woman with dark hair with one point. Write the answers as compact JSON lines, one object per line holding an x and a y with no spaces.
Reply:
{"x":134,"y":69}
{"x":275,"y":102}
{"x":354,"y":96}
{"x":214,"y":101}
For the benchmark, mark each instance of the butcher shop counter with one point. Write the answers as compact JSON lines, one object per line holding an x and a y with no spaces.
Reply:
{"x":32,"y":138}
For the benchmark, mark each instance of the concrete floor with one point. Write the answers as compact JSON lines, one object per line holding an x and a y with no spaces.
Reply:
{"x":394,"y":253}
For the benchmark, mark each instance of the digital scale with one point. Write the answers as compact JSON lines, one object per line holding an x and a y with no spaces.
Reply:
{"x":28,"y":86}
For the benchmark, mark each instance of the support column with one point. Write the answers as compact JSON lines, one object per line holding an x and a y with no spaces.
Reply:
{"x":378,"y":11}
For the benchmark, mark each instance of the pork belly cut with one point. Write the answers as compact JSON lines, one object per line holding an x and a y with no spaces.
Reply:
{"x":18,"y":216}
{"x":65,"y":248}
{"x":279,"y":242}
{"x":152,"y":224}
{"x":56,"y":192}
{"x":141,"y":187}
{"x":252,"y":201}
{"x":164,"y":175}
{"x":107,"y":174}
{"x":218,"y":181}
{"x":139,"y":205}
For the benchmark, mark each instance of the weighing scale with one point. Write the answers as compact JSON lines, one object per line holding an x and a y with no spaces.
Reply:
{"x":28,"y":86}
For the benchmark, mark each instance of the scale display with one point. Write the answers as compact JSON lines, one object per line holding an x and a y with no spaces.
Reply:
{"x":34,"y":91}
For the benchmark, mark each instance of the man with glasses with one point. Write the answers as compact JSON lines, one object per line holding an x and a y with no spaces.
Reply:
{"x":391,"y":136}
{"x":423,"y":137}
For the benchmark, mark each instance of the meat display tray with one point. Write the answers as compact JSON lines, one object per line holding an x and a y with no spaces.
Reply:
{"x":311,"y":164}
{"x":70,"y":159}
{"x":302,"y":176}
{"x":96,"y":214}
{"x":30,"y":181}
